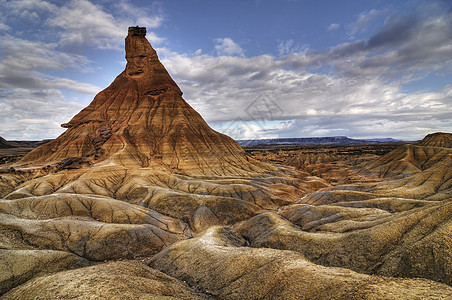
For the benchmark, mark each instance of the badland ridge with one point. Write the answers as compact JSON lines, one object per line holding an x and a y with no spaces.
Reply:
{"x":140,"y":198}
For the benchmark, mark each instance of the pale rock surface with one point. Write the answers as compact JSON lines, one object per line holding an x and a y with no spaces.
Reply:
{"x":259,"y":273}
{"x":114,"y":280}
{"x":18,"y":266}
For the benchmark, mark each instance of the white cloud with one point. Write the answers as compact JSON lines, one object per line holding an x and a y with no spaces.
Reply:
{"x":150,"y":16}
{"x":34,"y":114}
{"x":32,"y":105}
{"x":365,"y":20}
{"x":333,"y":26}
{"x":30,"y":55}
{"x":226,"y":46}
{"x":222,"y":90}
{"x":69,"y":84}
{"x":4,"y":27}
{"x":21,"y":60}
{"x":360,"y":94}
{"x":88,"y":24}
{"x":29,"y":8}
{"x":85,"y":23}
{"x":36,"y":80}
{"x":289,"y":46}
{"x":285,"y":47}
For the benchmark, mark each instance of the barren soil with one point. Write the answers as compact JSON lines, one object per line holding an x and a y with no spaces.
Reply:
{"x":140,"y":199}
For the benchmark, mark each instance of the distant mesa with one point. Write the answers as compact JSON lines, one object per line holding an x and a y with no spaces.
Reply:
{"x":334,"y":140}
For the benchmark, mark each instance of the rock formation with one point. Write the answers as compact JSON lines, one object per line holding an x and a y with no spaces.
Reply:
{"x":438,"y":139}
{"x":135,"y":171}
{"x":115,"y":280}
{"x":424,"y":170}
{"x":242,"y":272}
{"x":142,"y":120}
{"x":179,"y":210}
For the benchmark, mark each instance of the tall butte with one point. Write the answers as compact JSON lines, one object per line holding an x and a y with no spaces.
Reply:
{"x":141,"y":120}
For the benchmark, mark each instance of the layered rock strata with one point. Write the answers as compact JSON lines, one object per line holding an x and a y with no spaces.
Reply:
{"x":178,"y":210}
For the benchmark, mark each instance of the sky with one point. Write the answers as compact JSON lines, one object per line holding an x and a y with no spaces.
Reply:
{"x":252,"y":68}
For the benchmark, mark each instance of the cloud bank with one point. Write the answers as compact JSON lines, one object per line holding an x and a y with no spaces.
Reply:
{"x":354,"y":89}
{"x":38,"y":60}
{"x":359,"y":88}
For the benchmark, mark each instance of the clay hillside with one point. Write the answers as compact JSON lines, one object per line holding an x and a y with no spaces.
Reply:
{"x":141,"y":120}
{"x":4,"y":144}
{"x":140,"y":199}
{"x":438,"y":139}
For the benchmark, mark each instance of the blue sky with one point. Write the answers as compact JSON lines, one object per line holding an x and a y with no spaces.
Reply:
{"x":252,"y":69}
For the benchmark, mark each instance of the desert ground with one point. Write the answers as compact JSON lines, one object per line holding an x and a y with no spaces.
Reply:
{"x":140,"y":199}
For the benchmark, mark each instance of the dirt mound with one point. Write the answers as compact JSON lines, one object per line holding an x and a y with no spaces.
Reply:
{"x":257,"y":273}
{"x":303,"y":160}
{"x":18,"y":266}
{"x":424,"y":170}
{"x":437,"y":139}
{"x":435,"y":183}
{"x":4,"y":144}
{"x":408,"y":159}
{"x":364,"y":237}
{"x":115,"y":280}
{"x":93,"y":240}
{"x":99,"y":208}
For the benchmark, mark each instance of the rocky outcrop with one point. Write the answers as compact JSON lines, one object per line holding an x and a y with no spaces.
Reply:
{"x":136,"y":170}
{"x":407,"y":160}
{"x":364,"y":238}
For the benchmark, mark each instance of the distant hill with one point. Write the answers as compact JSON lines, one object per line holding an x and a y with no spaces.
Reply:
{"x":28,"y":144}
{"x":432,"y":152}
{"x":382,"y":140}
{"x":438,"y":139}
{"x":4,"y":144}
{"x":335,"y":140}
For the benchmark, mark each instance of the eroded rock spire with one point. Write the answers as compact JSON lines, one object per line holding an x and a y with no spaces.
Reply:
{"x":143,"y":64}
{"x":141,"y":120}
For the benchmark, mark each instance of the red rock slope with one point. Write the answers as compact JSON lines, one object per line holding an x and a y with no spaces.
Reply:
{"x":142,"y":120}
